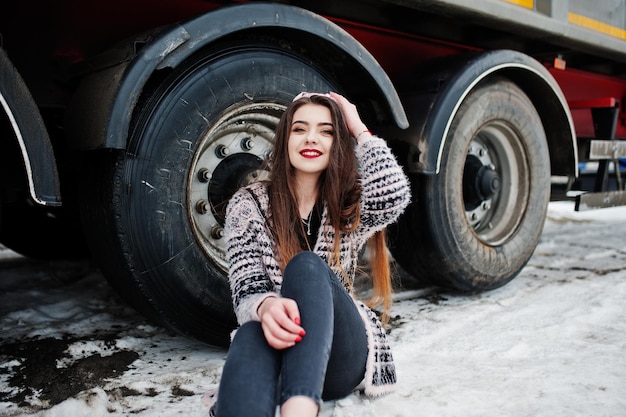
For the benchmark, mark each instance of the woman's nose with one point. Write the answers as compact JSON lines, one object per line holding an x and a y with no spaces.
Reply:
{"x":311,"y":136}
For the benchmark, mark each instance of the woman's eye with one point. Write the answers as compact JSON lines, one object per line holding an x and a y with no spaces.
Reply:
{"x":328,"y":132}
{"x":298,"y":129}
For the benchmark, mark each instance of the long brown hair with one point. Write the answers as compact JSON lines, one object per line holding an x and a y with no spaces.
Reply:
{"x":339,"y":187}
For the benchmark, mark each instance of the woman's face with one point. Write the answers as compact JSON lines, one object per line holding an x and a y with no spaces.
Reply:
{"x":310,"y":139}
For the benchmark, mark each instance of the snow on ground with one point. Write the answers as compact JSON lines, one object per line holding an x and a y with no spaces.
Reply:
{"x":549,"y":343}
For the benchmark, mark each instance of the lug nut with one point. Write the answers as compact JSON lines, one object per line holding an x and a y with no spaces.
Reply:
{"x":204,"y":175}
{"x":247,"y":144}
{"x":202,"y":206}
{"x":222,"y":151}
{"x":217,"y":232}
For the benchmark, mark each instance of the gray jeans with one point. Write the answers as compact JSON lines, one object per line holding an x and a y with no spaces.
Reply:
{"x":327,"y":364}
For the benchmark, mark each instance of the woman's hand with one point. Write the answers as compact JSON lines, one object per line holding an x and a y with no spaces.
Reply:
{"x":280,"y":321}
{"x":351,"y":115}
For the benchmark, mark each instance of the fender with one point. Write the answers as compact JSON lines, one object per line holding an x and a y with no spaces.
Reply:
{"x":438,"y":91}
{"x":31,"y":135}
{"x":113,"y":110}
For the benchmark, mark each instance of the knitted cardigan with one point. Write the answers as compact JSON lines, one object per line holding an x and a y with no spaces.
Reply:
{"x":254,"y":272}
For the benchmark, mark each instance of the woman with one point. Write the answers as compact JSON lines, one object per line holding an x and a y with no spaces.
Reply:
{"x":292,"y":246}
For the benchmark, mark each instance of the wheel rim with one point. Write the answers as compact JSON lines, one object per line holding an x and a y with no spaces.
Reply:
{"x":229,"y":156}
{"x":495,"y":189}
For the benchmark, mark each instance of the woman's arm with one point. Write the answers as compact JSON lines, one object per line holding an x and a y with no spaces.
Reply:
{"x":385,"y":187}
{"x":246,"y":245}
{"x":253,"y":291}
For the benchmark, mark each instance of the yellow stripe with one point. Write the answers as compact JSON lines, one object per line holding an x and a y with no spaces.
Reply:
{"x":596,"y":25}
{"x":529,"y":4}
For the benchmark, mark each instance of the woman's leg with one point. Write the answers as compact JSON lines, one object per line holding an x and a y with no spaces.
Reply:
{"x":330,"y":360}
{"x":348,"y":357}
{"x":250,"y":375}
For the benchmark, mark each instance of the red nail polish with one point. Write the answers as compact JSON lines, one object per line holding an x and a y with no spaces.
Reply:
{"x":297,"y":320}
{"x":302,"y":332}
{"x":298,"y":339}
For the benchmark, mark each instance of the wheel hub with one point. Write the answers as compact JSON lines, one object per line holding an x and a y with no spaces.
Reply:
{"x":480,"y":182}
{"x":230,"y":155}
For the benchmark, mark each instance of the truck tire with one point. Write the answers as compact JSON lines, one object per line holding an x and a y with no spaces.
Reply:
{"x":155,"y":218}
{"x":473,"y":226}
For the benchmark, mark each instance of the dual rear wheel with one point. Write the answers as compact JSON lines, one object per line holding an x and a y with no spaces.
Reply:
{"x":474,"y":225}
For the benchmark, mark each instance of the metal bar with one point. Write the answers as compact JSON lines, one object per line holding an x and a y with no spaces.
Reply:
{"x":604,"y":124}
{"x":592,"y":201}
{"x":607,"y":149}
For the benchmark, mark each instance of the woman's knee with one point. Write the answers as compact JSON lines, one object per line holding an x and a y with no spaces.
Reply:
{"x":303,"y":267}
{"x":249,"y":329}
{"x":249,"y":336}
{"x":306,"y":260}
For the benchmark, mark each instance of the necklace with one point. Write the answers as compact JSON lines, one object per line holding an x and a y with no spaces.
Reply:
{"x":307,"y":222}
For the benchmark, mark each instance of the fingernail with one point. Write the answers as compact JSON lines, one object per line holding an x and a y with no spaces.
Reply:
{"x":297,"y":320}
{"x":302,"y":332}
{"x":298,"y":339}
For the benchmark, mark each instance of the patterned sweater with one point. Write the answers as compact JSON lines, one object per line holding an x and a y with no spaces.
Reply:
{"x":254,"y":273}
